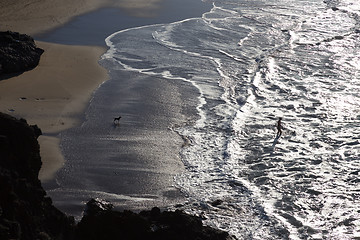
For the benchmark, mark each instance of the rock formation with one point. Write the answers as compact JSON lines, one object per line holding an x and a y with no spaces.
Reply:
{"x":18,"y":53}
{"x":26,"y":212}
{"x":101,"y":222}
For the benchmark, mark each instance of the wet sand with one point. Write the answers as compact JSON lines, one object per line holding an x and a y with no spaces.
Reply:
{"x":55,"y":94}
{"x":34,"y":17}
{"x":132,"y":164}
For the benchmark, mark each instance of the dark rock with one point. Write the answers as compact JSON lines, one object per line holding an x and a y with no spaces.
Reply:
{"x":154,"y":224}
{"x":18,"y":53}
{"x":97,"y":206}
{"x":37,"y":130}
{"x":216,"y":202}
{"x":26,"y":212}
{"x":339,"y":37}
{"x":20,"y":152}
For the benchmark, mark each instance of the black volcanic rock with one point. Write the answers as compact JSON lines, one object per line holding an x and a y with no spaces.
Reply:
{"x":18,"y":53}
{"x":26,"y":213}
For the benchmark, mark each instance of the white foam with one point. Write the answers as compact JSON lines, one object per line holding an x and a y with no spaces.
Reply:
{"x":244,"y":85}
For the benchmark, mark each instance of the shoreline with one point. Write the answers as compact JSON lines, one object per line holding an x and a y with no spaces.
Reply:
{"x":36,"y":17}
{"x":94,"y":27}
{"x":54,"y":94}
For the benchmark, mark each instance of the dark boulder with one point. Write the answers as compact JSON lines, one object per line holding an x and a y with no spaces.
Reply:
{"x":18,"y":53}
{"x":97,"y":206}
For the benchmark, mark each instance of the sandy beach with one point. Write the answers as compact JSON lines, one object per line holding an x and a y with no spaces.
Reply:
{"x":57,"y":92}
{"x":54,"y":93}
{"x":34,"y":17}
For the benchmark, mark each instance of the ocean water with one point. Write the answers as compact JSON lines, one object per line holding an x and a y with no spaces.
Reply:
{"x":238,"y":68}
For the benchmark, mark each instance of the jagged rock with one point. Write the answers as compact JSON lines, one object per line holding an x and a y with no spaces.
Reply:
{"x":20,"y":149}
{"x":37,"y":130}
{"x":109,"y":224}
{"x":26,"y":213}
{"x":18,"y":53}
{"x":97,"y":206}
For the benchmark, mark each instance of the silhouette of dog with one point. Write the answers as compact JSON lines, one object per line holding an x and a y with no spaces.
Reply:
{"x":117,"y":120}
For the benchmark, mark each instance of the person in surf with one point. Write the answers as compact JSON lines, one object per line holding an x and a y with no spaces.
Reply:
{"x":279,"y":127}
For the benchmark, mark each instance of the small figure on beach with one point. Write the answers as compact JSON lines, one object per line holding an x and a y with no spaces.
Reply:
{"x":279,"y":127}
{"x":117,"y":120}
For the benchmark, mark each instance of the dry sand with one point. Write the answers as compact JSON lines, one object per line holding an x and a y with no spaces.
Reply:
{"x":35,"y":16}
{"x":32,"y":17}
{"x":54,"y":93}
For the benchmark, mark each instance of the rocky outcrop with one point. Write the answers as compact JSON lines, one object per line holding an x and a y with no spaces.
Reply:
{"x":26,"y":212}
{"x":101,"y":222}
{"x":18,"y":53}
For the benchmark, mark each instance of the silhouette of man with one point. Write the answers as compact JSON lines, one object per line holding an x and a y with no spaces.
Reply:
{"x":279,"y":127}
